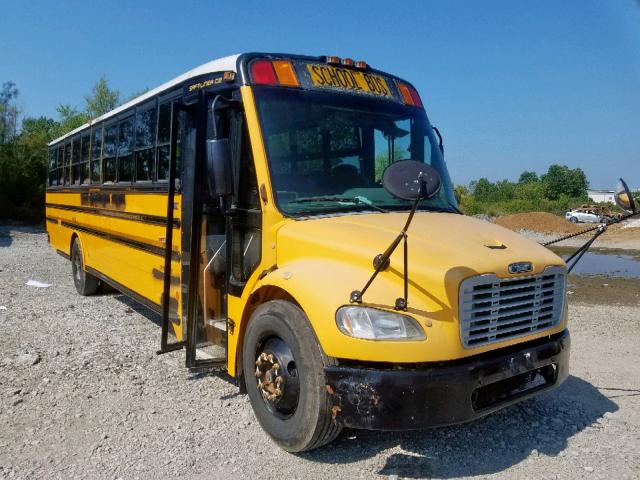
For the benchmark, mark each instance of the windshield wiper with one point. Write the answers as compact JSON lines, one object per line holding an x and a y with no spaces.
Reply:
{"x":353,"y":200}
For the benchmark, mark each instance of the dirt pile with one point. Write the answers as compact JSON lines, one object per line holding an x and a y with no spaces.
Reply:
{"x":626,"y":231}
{"x":538,"y":222}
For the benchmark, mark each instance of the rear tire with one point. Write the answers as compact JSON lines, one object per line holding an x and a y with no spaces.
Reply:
{"x":309,"y":424}
{"x":86,"y":284}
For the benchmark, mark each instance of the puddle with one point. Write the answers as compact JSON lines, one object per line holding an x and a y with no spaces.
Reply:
{"x":610,"y":263}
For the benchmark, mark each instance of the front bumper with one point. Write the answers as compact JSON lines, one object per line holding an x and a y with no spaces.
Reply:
{"x":454,"y":392}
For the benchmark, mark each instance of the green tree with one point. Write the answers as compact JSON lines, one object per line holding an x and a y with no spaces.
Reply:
{"x":102,"y":99}
{"x":23,"y":168}
{"x":528,"y":177}
{"x":561,"y":180}
{"x":8,"y":112}
{"x":70,"y":119}
{"x":578,"y":183}
{"x":505,"y":190}
{"x":461,"y":193}
{"x":24,"y":154}
{"x":484,"y":190}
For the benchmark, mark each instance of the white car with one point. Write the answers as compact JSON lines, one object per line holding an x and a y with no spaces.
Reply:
{"x":583,"y":216}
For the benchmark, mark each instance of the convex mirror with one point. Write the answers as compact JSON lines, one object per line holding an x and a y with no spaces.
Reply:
{"x":623,"y":197}
{"x":410,"y":180}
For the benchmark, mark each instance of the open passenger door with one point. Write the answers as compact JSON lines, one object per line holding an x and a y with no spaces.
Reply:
{"x":202,"y":298}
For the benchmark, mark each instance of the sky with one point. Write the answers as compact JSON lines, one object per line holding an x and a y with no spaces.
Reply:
{"x":512,"y":86}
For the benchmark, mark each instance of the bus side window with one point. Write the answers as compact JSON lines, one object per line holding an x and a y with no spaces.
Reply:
{"x":61,"y":165}
{"x":75,"y":161}
{"x":53,"y":168}
{"x":109,"y":153}
{"x":145,"y":143}
{"x":67,"y":164}
{"x":125,"y":157}
{"x":84,"y":157}
{"x":164,"y":140}
{"x":96,"y":150}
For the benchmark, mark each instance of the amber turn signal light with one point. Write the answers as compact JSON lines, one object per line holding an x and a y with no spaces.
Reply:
{"x":286,"y":74}
{"x":409,"y":95}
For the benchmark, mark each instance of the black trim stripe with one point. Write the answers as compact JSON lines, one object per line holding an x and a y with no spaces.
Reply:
{"x":61,"y":253}
{"x":134,"y":217}
{"x":156,"y":189}
{"x":150,"y":304}
{"x":145,"y":247}
{"x":52,"y":220}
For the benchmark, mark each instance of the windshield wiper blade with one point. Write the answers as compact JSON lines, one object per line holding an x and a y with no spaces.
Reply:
{"x":352,"y":200}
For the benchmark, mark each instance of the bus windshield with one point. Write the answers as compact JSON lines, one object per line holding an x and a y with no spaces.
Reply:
{"x":327,"y":151}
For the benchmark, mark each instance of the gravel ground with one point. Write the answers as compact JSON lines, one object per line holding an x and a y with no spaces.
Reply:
{"x":83,"y":395}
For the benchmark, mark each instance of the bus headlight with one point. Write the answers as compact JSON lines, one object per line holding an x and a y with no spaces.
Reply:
{"x":374,"y":324}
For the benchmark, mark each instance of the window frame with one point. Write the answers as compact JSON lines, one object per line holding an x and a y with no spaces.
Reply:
{"x":148,"y":105}
{"x":93,"y":129}
{"x":75,"y":160}
{"x":169,"y":99}
{"x":113,"y":122}
{"x":85,"y":134}
{"x":63,"y":176}
{"x":122,"y":118}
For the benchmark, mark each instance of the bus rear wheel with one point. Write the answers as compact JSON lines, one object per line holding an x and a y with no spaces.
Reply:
{"x":284,"y":376}
{"x":86,"y":284}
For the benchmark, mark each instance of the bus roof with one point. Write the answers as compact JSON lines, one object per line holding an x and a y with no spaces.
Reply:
{"x":225,"y":64}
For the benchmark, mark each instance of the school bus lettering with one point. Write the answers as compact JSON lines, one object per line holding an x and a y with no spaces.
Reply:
{"x":351,"y":80}
{"x":284,"y":256}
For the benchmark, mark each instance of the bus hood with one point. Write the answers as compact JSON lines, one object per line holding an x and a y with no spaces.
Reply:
{"x":320,"y":261}
{"x":443,"y":248}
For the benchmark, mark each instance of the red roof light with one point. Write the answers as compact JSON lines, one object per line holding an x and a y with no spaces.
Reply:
{"x":262,"y":73}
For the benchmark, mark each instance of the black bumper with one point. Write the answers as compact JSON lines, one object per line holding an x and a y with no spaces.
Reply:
{"x":454,"y":392}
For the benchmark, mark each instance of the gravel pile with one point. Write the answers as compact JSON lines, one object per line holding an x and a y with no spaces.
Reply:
{"x":83,"y":395}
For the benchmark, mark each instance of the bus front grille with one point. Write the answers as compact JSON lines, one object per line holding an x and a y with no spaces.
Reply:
{"x":495,"y":309}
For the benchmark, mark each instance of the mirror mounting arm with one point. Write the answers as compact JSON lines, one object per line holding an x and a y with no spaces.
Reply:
{"x":382,"y":260}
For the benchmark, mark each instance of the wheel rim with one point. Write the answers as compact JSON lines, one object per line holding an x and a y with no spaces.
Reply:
{"x":277,"y":377}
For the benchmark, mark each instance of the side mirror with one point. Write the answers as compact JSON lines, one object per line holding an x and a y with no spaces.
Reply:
{"x":219,"y":169}
{"x":411,"y":180}
{"x":623,"y":197}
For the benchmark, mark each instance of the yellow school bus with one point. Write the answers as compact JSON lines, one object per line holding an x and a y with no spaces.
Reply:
{"x":292,"y":218}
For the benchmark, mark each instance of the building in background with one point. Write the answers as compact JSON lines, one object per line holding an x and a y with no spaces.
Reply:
{"x":598,"y":196}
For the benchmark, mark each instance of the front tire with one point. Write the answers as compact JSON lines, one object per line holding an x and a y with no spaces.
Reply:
{"x":294,"y":410}
{"x":573,"y":220}
{"x":86,"y":284}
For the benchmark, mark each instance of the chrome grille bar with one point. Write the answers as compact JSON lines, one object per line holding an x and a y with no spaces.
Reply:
{"x":494,"y":309}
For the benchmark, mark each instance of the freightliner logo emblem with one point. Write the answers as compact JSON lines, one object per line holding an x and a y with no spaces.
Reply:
{"x":520,"y":267}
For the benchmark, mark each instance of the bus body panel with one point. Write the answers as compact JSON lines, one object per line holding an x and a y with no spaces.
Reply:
{"x":127,"y":250}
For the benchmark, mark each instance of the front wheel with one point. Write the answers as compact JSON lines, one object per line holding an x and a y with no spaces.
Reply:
{"x":284,"y":375}
{"x":86,"y":284}
{"x":573,"y":220}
